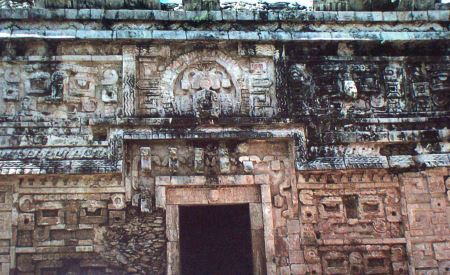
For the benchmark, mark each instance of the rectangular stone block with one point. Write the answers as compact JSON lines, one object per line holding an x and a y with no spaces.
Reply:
{"x":5,"y":225}
{"x":442,"y":251}
{"x":256,"y":220}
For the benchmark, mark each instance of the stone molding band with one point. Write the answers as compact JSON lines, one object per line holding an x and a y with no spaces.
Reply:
{"x":224,"y":16}
{"x":262,"y":36}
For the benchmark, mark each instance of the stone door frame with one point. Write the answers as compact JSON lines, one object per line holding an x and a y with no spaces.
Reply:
{"x":171,"y":194}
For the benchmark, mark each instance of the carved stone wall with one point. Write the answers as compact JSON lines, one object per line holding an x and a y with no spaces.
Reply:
{"x":60,"y":221}
{"x":333,"y":129}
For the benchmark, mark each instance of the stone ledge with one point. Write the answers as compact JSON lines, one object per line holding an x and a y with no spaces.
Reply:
{"x":44,"y":167}
{"x":374,"y":241}
{"x":225,"y":15}
{"x":181,"y":35}
{"x":376,"y":162}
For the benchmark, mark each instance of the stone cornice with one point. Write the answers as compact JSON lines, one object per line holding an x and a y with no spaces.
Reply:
{"x":225,"y":15}
{"x":226,"y":25}
{"x":181,"y":35}
{"x":41,"y":167}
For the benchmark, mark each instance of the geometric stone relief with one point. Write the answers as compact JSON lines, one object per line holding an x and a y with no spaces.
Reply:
{"x":58,"y":225}
{"x":6,"y":227}
{"x":43,"y":86}
{"x":5,"y":197}
{"x":37,"y":83}
{"x":428,"y":218}
{"x":352,"y":209}
{"x":357,"y":211}
{"x":355,"y":215}
{"x":51,"y":183}
{"x":55,"y":153}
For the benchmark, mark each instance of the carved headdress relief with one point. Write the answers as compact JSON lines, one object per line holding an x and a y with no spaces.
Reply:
{"x":206,"y":90}
{"x":208,"y":84}
{"x":204,"y":84}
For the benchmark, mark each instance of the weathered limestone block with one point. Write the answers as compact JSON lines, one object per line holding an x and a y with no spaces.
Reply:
{"x":146,"y":159}
{"x":373,"y":5}
{"x":428,"y":220}
{"x":58,"y":4}
{"x":198,"y":5}
{"x":100,"y":4}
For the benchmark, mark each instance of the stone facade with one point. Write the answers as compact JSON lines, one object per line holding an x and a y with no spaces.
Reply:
{"x":332,"y":126}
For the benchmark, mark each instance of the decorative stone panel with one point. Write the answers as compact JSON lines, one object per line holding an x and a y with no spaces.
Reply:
{"x":205,"y":84}
{"x":60,"y":221}
{"x":428,"y":220}
{"x":350,"y":223}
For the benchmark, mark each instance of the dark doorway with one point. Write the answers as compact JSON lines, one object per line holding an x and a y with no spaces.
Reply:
{"x":215,"y":240}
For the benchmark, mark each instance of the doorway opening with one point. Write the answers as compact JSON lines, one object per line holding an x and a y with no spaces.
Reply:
{"x":215,"y":240}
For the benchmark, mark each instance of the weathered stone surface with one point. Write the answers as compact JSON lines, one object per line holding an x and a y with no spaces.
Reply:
{"x":332,"y":125}
{"x":201,"y":4}
{"x":364,"y":5}
{"x":139,"y":246}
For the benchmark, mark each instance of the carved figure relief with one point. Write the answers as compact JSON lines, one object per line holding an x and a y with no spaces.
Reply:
{"x":206,"y":104}
{"x":173,"y":159}
{"x":421,"y":92}
{"x":207,"y":84}
{"x":146,"y":159}
{"x":57,"y":86}
{"x":118,"y":201}
{"x":26,"y":204}
{"x":207,"y":88}
{"x":393,"y":79}
{"x":199,"y":160}
{"x":28,"y":108}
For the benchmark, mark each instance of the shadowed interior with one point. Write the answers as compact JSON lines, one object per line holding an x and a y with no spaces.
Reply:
{"x":215,"y":240}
